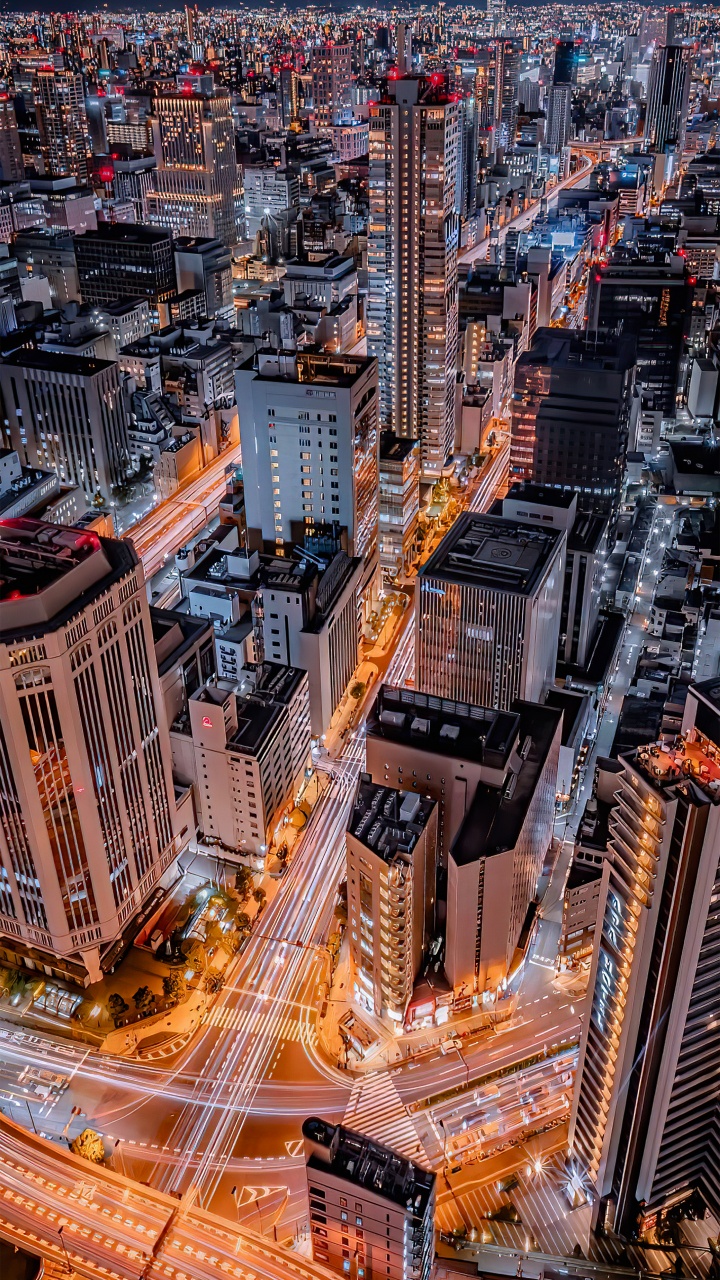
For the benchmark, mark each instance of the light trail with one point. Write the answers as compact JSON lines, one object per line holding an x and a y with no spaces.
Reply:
{"x":100,"y":1224}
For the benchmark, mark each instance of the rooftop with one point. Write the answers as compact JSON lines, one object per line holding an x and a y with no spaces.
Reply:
{"x":495,"y":819}
{"x":388,"y":821}
{"x":49,"y":574}
{"x":395,"y":448}
{"x":445,"y":727}
{"x":58,"y":362}
{"x":493,"y":553}
{"x":364,"y":1163}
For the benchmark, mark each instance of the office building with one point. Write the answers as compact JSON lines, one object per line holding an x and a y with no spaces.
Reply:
{"x":565,"y":63}
{"x":126,"y":321}
{"x":272,"y":196}
{"x":204,"y":264}
{"x":244,"y":746}
{"x":412,"y":305}
{"x":488,"y":613}
{"x":289,"y":96}
{"x":647,"y":294}
{"x":67,"y":414}
{"x":372,"y":1212}
{"x":121,"y":260}
{"x":585,"y":558}
{"x":12,"y":168}
{"x":399,"y":505}
{"x":310,"y":440}
{"x":493,"y":775}
{"x":331,"y":72}
{"x":646,"y":1108}
{"x":90,"y":818}
{"x":571,"y":410}
{"x":667,"y":98}
{"x":196,"y":177}
{"x":390,"y":849}
{"x":62,"y":123}
{"x":52,"y":256}
{"x":557,"y":128}
{"x":510,"y":86}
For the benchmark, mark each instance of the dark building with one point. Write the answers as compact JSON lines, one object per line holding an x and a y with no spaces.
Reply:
{"x":650,"y":295}
{"x":667,"y":100}
{"x":571,"y":410}
{"x":123,"y":260}
{"x":565,"y":62}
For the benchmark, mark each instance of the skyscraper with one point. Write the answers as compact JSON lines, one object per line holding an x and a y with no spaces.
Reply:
{"x":412,"y":304}
{"x":511,"y":60}
{"x":646,"y":1113}
{"x":390,"y":845}
{"x":565,"y":61}
{"x":488,"y":615}
{"x":331,"y":69}
{"x":196,"y":176}
{"x":62,"y":122}
{"x":667,"y":99}
{"x":559,"y":106}
{"x":649,"y":294}
{"x":11,"y":160}
{"x":88,"y":816}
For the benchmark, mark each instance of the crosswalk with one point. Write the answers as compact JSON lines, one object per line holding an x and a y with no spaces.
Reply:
{"x":290,"y":1028}
{"x":375,"y":1109}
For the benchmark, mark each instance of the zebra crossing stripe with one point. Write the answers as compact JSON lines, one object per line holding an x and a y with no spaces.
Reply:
{"x":375,"y":1108}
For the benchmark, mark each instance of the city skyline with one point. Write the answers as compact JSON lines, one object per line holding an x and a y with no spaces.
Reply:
{"x":360,"y":641}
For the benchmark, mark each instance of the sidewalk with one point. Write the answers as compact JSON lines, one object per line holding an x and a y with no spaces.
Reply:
{"x":384,"y":1047}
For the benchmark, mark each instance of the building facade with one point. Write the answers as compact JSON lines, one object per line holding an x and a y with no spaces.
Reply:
{"x":371,"y":1210}
{"x":390,"y":848}
{"x":412,"y":307}
{"x":89,"y":821}
{"x":68,"y":415}
{"x":62,"y":123}
{"x":647,"y":1106}
{"x":488,"y":613}
{"x":195,"y":181}
{"x":310,"y":440}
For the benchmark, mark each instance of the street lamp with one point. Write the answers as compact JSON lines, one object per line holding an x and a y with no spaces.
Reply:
{"x":68,"y":1266}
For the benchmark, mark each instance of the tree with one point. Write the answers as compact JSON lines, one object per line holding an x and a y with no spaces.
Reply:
{"x":213,"y":934}
{"x":144,"y":1001}
{"x":117,"y":1007}
{"x":242,"y":922}
{"x":244,"y":882}
{"x":145,"y":468}
{"x":358,"y":690}
{"x":174,"y":987}
{"x":260,"y":897}
{"x":89,"y":1145}
{"x":214,"y":982}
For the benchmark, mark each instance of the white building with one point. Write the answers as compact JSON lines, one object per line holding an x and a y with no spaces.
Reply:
{"x":269,"y":193}
{"x":245,"y":748}
{"x":310,"y":445}
{"x":369,"y":1206}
